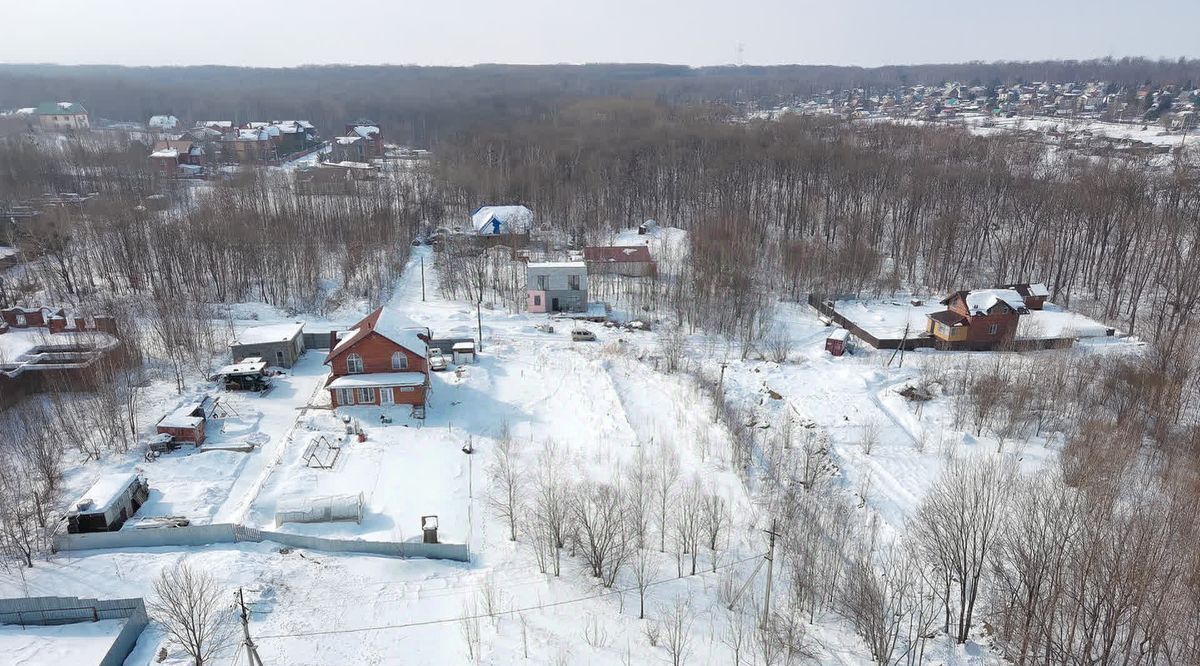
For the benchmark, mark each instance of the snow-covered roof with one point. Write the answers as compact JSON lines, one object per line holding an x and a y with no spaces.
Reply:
{"x":512,"y":219}
{"x":379,"y":379}
{"x":165,"y":152}
{"x":463,"y":347}
{"x":365,"y":131}
{"x":163,"y":122}
{"x":248,"y":366}
{"x":189,"y":415}
{"x":347,"y":140}
{"x":982,"y":300}
{"x":557,"y":264}
{"x":389,"y":324}
{"x":1039,"y":289}
{"x":269,"y":333}
{"x":104,"y":492}
{"x":839,"y":334}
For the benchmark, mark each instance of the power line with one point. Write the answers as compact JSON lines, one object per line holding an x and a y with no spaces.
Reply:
{"x":478,"y":616}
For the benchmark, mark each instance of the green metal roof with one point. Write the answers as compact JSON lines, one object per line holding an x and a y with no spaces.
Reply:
{"x":59,"y":108}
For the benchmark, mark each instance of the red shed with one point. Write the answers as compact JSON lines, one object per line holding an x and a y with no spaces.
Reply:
{"x":838,"y":342}
{"x":186,"y":424}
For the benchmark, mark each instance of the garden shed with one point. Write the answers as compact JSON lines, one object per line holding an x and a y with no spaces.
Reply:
{"x":105,"y":507}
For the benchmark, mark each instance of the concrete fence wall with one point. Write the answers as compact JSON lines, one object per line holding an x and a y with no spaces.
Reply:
{"x":50,"y":611}
{"x":201,"y":535}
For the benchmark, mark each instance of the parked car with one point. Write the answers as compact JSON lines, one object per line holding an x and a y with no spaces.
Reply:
{"x":582,"y":335}
{"x":437,"y":362}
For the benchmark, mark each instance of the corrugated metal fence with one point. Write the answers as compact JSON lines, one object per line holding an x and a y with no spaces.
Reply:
{"x":201,"y":535}
{"x":49,"y":611}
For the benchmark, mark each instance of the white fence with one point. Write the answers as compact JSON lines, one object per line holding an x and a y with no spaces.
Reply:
{"x":202,"y":535}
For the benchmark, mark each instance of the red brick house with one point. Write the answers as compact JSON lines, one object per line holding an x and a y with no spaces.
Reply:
{"x":383,"y":360}
{"x":983,"y":318}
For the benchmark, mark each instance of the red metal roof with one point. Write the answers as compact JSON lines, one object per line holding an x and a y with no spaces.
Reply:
{"x":630,"y":254}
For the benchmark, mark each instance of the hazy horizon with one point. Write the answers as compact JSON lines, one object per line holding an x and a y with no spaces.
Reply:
{"x":698,"y":33}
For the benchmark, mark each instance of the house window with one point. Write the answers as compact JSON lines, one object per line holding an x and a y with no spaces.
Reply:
{"x":345,"y":397}
{"x":407,"y":389}
{"x":366,"y":395}
{"x":542,"y":281}
{"x":573,"y":282}
{"x":993,"y":329}
{"x":354,"y":364}
{"x":537,"y":299}
{"x":20,"y":320}
{"x":399,"y":361}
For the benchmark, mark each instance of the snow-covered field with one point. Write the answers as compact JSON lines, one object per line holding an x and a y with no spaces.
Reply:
{"x":602,"y":403}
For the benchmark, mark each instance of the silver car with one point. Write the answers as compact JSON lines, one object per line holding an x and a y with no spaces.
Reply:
{"x":437,"y":362}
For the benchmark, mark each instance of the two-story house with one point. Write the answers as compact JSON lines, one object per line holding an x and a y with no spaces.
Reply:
{"x":983,"y":318}
{"x":62,"y":116}
{"x":559,"y":286}
{"x":383,"y":360}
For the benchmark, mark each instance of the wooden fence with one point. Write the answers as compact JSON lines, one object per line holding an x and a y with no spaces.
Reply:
{"x":922,"y":340}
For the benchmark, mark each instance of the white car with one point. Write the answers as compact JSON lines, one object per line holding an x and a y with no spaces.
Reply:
{"x":437,"y":362}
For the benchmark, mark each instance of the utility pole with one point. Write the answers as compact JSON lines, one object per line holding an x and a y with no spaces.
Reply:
{"x":422,"y":278}
{"x":479,"y":325}
{"x":720,"y":393}
{"x":770,"y":567}
{"x":251,"y":650}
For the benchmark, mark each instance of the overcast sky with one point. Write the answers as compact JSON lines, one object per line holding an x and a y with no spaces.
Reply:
{"x":275,"y":33}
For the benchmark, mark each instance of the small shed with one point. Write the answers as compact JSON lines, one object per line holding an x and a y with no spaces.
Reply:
{"x":838,"y":342}
{"x":186,"y":424}
{"x":105,"y":507}
{"x":249,"y":374}
{"x":279,"y":345}
{"x":464,"y":352}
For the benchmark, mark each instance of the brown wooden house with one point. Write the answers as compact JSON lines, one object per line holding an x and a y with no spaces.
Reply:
{"x":981,"y":318}
{"x":383,"y":360}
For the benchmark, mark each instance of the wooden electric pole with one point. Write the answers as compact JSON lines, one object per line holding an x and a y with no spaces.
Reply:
{"x":422,"y":279}
{"x":251,"y":650}
{"x":770,"y":569}
{"x":479,"y":325}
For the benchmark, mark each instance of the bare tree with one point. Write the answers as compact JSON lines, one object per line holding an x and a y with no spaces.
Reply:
{"x":957,"y":526}
{"x":196,"y":613}
{"x":601,"y":535}
{"x":676,"y":623}
{"x":666,"y":475}
{"x":506,"y":494}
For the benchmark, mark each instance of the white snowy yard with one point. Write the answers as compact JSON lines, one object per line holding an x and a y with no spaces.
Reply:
{"x":601,"y":402}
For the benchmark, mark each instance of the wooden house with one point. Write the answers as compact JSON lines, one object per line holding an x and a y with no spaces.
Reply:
{"x":383,"y":360}
{"x":981,"y":318}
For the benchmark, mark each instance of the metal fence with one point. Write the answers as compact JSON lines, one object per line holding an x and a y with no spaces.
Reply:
{"x":202,"y":535}
{"x":51,"y":611}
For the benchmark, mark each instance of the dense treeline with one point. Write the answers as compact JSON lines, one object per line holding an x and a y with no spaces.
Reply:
{"x":808,"y":204}
{"x":423,"y":105}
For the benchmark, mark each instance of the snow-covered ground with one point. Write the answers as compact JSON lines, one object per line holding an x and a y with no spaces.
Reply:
{"x":601,"y":402}
{"x":62,"y":645}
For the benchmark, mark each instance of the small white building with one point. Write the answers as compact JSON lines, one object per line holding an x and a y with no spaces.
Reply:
{"x":163,"y":122}
{"x":496,"y":220}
